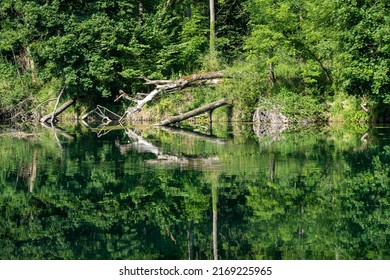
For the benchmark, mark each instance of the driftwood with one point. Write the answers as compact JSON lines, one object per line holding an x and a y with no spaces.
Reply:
{"x":198,"y":111}
{"x":167,"y":85}
{"x":30,"y":115}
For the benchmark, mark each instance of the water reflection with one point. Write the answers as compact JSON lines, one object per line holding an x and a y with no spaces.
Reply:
{"x":150,"y":193}
{"x":272,"y":131}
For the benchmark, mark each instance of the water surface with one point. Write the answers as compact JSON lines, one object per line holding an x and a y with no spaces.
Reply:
{"x":149,"y":193}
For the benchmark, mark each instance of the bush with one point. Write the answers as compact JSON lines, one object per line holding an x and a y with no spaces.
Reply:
{"x":347,"y":109}
{"x":298,"y":108}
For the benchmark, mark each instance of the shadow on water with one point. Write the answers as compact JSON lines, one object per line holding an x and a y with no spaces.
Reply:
{"x":240,"y":192}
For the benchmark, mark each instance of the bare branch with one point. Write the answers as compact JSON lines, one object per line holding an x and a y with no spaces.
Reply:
{"x":55,"y":106}
{"x":167,"y":85}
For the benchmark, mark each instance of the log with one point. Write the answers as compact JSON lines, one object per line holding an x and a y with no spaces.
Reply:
{"x":65,"y":106}
{"x":193,"y":113}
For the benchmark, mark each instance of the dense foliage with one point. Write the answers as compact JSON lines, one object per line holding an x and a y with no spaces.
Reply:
{"x":308,"y":48}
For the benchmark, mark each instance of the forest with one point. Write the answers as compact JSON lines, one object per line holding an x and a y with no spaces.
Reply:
{"x":314,"y":60}
{"x":237,"y":189}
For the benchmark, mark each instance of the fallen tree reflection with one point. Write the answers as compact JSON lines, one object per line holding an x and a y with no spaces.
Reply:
{"x":141,"y":145}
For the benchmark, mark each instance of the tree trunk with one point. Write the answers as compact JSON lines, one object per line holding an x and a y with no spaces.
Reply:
{"x":140,"y":13}
{"x":189,"y":10}
{"x":212,"y":26}
{"x":271,"y":72}
{"x":31,"y":65}
{"x":193,"y":113}
{"x":213,"y":52}
{"x":65,"y":106}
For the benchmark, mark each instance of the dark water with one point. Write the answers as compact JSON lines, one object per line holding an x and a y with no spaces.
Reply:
{"x":148,"y":193}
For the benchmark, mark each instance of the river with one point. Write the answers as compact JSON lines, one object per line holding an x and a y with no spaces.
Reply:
{"x":153,"y":193}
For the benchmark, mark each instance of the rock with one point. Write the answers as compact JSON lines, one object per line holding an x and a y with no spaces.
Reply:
{"x":271,"y":115}
{"x":269,"y":123}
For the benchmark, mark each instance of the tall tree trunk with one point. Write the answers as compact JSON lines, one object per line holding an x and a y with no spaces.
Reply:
{"x":212,"y":26}
{"x":189,"y":10}
{"x":140,"y":13}
{"x":31,"y":65}
{"x":213,"y":52}
{"x":271,"y":72}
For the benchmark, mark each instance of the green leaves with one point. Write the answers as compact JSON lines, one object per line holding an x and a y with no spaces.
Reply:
{"x":318,"y":47}
{"x":362,"y":40}
{"x":329,"y":46}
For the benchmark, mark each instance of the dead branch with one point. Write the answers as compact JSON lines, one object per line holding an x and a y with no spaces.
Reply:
{"x":56,"y":105}
{"x":44,"y":102}
{"x":168,"y":85}
{"x":19,"y":109}
{"x":123,"y":95}
{"x":105,"y":114}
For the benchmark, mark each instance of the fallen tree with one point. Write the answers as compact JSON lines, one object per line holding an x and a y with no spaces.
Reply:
{"x":206,"y":108}
{"x":50,"y":117}
{"x":168,"y":85}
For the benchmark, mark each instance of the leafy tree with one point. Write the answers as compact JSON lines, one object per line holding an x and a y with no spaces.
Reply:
{"x":363,"y":50}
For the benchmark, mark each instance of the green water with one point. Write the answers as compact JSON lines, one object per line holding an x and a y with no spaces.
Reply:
{"x":148,"y":193}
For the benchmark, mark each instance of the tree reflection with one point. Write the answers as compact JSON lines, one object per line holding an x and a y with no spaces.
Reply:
{"x":308,"y":195}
